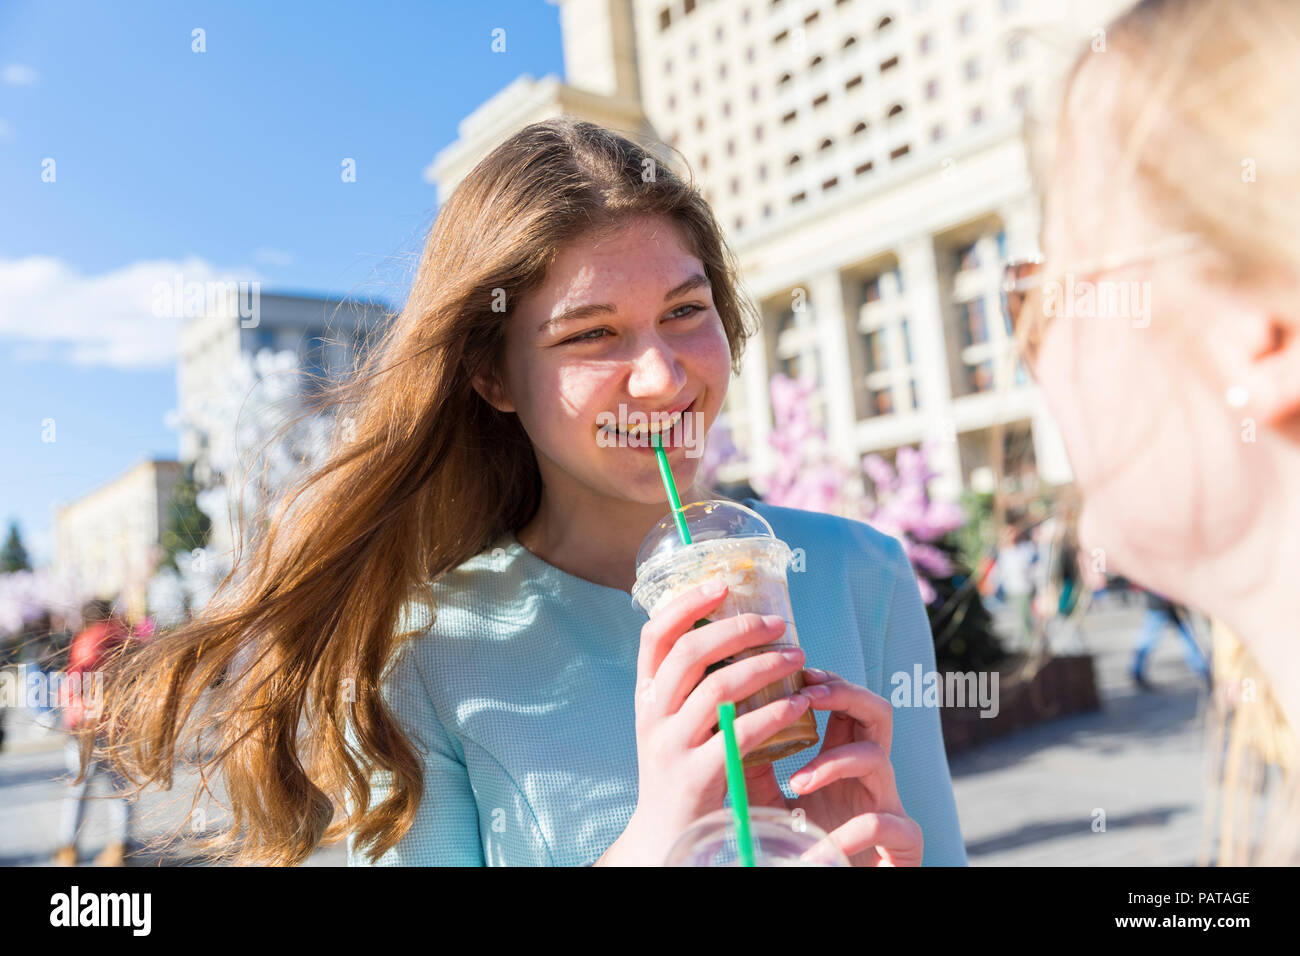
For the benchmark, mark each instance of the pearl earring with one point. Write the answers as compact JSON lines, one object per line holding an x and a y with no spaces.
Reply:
{"x":1238,"y":396}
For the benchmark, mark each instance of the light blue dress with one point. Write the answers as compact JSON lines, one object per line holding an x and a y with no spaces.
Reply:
{"x":522,"y":692}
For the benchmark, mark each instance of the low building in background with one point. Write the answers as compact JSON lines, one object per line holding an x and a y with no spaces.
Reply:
{"x":109,"y":540}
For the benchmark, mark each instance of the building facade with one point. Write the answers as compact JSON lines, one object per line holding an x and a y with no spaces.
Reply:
{"x":870,"y":164}
{"x":326,"y":334}
{"x":109,"y":541}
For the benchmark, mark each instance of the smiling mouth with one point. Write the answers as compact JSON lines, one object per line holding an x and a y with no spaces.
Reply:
{"x":638,"y":431}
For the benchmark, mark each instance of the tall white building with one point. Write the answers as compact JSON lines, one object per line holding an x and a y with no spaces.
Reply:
{"x":868,"y":162}
{"x":325,"y":333}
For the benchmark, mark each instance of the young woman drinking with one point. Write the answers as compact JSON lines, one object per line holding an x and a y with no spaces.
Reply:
{"x":437,"y":653}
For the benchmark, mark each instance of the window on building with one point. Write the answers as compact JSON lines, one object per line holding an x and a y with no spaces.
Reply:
{"x":699,"y":123}
{"x":767,"y":210}
{"x":931,"y":89}
{"x":665,"y":19}
{"x":972,"y":69}
{"x":905,"y":330}
{"x":849,"y":41}
{"x":790,"y":116}
{"x":877,"y":351}
{"x":704,"y":161}
{"x":735,"y":185}
{"x":749,"y":53}
{"x":936,"y":132}
{"x":811,"y":18}
{"x":881,"y":402}
{"x":976,"y":115}
{"x":798,"y":197}
{"x":900,"y":151}
{"x":821,"y":100}
{"x":689,"y":6}
{"x":726,"y":107}
{"x":815,"y":62}
{"x":966,"y":22}
{"x":793,"y":160}
{"x":912,"y":389}
{"x":972,"y":324}
{"x":859,"y":127}
{"x":784,"y":79}
{"x":1015,"y":49}
{"x":925,"y":43}
{"x":762,"y":172}
{"x":722,"y":71}
{"x":863,"y":169}
{"x":825,"y":144}
{"x":695,"y":86}
{"x":831,"y":183}
{"x":895,"y":110}
{"x":672,"y":101}
{"x":739,"y":223}
{"x":781,"y":37}
{"x":979,"y":378}
{"x":853,"y":82}
{"x":753,"y":93}
{"x":758,"y":133}
{"x":889,"y":64}
{"x":967,"y":257}
{"x":1020,"y":99}
{"x":884,"y":23}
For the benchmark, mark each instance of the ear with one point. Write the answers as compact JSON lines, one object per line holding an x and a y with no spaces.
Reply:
{"x":1261,"y":354}
{"x":490,"y":388}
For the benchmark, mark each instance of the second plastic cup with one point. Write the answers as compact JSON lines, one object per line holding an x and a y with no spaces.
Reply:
{"x":731,"y":543}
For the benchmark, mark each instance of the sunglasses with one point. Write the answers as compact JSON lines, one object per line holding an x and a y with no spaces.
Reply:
{"x":1023,"y":279}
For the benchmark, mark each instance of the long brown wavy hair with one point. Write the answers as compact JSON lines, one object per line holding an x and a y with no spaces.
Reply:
{"x":264,"y":686}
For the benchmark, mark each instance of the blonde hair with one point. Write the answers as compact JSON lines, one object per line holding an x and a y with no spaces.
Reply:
{"x":1209,"y":142}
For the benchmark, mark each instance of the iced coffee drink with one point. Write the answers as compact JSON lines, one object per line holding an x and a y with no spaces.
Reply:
{"x":733,"y":544}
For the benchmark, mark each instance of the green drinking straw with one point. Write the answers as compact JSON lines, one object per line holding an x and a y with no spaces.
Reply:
{"x":736,"y":783}
{"x":670,"y":486}
{"x":727,"y":709}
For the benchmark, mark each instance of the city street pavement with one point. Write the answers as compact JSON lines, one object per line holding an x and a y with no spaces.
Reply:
{"x":1029,"y":798}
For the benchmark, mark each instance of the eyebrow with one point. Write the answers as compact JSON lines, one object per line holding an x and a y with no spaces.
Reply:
{"x":604,"y":308}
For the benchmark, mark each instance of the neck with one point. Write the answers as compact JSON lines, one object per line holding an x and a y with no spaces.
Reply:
{"x":594,"y":537}
{"x":1252,"y":589}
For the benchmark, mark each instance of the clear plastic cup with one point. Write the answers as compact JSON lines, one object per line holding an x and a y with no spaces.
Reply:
{"x":779,"y":838}
{"x":732,"y":543}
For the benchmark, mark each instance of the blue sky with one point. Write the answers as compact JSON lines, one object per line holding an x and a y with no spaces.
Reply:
{"x":225,"y":161}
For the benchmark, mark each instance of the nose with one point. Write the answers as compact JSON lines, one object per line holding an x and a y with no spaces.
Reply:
{"x":657,"y":372}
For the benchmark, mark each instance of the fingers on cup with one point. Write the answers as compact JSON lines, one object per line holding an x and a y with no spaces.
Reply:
{"x":894,"y":836}
{"x":852,"y":701}
{"x":862,"y":760}
{"x":691,"y":656}
{"x":755,"y":727}
{"x":661,"y":632}
{"x":737,"y":681}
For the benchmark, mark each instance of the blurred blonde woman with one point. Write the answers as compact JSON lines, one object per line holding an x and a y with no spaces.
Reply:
{"x":1174,"y":187}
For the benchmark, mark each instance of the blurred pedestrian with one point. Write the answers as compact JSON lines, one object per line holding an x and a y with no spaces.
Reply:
{"x":1163,"y":614}
{"x":1016,"y":555}
{"x":104,"y":634}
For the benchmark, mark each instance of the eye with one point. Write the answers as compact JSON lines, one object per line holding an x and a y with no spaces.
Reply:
{"x":591,"y":336}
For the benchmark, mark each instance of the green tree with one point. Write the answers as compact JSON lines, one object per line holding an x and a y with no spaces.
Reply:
{"x":187,"y":525}
{"x":14,"y":556}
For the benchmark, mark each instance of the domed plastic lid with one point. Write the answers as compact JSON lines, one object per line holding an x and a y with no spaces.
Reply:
{"x":706,"y":520}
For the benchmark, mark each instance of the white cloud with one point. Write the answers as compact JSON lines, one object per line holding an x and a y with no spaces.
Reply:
{"x":15,"y":74}
{"x":49,"y":311}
